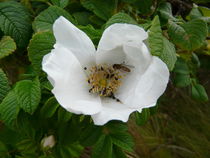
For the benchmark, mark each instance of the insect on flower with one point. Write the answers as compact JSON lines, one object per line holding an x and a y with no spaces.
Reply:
{"x":123,"y":67}
{"x":98,"y":82}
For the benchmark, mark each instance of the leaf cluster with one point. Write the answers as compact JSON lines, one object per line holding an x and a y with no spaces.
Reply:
{"x":28,"y":110}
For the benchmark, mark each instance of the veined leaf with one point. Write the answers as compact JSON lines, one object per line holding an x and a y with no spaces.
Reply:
{"x":117,"y":126}
{"x":195,"y":12}
{"x":160,"y":46}
{"x":118,"y":153}
{"x":199,"y":92}
{"x":90,"y":135}
{"x":83,"y":18}
{"x":181,"y":67}
{"x":29,"y":94}
{"x":15,"y":21}
{"x":45,"y":20}
{"x":168,"y":54}
{"x":27,"y":147}
{"x":63,"y":115}
{"x":120,"y":18}
{"x":9,"y":109}
{"x":122,"y":140}
{"x":142,"y":118}
{"x":182,"y":80}
{"x":155,"y":37}
{"x":4,"y":85}
{"x":41,"y":44}
{"x":49,"y":108}
{"x":7,"y":46}
{"x":72,"y":150}
{"x":103,"y":9}
{"x":103,"y":148}
{"x":188,"y":36}
{"x":60,"y":3}
{"x":205,"y":11}
{"x":166,"y":11}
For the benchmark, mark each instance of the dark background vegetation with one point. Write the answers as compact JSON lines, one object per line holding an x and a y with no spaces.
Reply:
{"x":178,"y":127}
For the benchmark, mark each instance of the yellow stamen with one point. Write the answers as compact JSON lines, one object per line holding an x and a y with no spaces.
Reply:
{"x":104,"y":80}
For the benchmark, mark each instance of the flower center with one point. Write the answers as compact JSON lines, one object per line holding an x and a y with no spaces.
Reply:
{"x":105,"y":80}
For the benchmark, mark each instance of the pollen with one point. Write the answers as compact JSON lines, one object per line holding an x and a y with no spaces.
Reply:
{"x":104,"y":80}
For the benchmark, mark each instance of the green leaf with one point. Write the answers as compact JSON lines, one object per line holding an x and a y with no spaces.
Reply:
{"x":116,"y":126}
{"x":47,"y":85}
{"x":49,"y":108}
{"x":165,"y":11}
{"x":123,"y":140}
{"x":15,"y":21}
{"x":69,"y":132}
{"x":160,"y":46}
{"x":168,"y":54}
{"x":29,"y":94}
{"x":103,"y":9}
{"x":96,"y":20}
{"x":63,"y":115}
{"x":103,"y":148}
{"x":41,"y":44}
{"x":120,"y":18}
{"x":118,"y":153}
{"x":3,"y":150}
{"x":182,"y":80}
{"x":188,"y":36}
{"x":73,"y":150}
{"x":44,"y":21}
{"x":199,"y":93}
{"x":27,"y":147}
{"x":60,"y":3}
{"x":7,"y":46}
{"x":195,"y":12}
{"x":205,"y":11}
{"x":141,"y":118}
{"x":155,"y":37}
{"x":25,"y":126}
{"x":90,"y":135}
{"x":82,"y":17}
{"x":9,"y":109}
{"x":181,"y":67}
{"x":144,"y":6}
{"x":4,"y":85}
{"x":129,"y":1}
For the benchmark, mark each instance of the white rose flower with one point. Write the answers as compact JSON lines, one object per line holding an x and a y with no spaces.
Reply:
{"x":109,"y":83}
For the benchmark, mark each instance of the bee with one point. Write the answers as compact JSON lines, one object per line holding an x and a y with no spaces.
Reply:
{"x":123,"y":67}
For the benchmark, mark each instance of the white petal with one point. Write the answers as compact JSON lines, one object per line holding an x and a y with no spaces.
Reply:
{"x":111,"y":46}
{"x":75,"y":40}
{"x":143,"y":90}
{"x":137,"y":60}
{"x":111,"y":57}
{"x":119,"y":34}
{"x":69,"y":81}
{"x":112,"y":110}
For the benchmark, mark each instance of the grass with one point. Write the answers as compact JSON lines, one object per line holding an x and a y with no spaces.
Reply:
{"x":180,"y":129}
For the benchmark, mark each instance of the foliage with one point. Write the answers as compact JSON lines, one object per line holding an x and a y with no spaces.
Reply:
{"x":29,"y":112}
